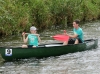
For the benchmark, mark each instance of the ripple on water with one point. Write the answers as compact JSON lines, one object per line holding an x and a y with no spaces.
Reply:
{"x":86,"y":62}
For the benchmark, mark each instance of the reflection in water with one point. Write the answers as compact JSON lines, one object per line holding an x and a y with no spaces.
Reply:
{"x":86,"y":62}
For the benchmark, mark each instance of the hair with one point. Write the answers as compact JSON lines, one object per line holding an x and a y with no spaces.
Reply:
{"x":77,"y":21}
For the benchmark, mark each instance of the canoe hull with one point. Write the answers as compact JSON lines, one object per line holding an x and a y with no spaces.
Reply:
{"x":46,"y":50}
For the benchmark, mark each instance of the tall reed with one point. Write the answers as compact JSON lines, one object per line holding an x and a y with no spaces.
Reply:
{"x":17,"y":16}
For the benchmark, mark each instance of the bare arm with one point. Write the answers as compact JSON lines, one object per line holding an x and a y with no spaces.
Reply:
{"x":38,"y":37}
{"x":72,"y":36}
{"x":24,"y":39}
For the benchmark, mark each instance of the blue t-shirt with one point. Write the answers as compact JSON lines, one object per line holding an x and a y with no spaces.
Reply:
{"x":79,"y":32}
{"x":32,"y":40}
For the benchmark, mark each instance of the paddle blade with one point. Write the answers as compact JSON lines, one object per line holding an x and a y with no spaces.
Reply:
{"x":61,"y":37}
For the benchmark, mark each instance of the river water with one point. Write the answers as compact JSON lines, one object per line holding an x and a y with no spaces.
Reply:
{"x":86,"y":62}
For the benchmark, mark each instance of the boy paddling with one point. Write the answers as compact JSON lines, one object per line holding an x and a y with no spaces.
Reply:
{"x":78,"y":34}
{"x":32,"y":39}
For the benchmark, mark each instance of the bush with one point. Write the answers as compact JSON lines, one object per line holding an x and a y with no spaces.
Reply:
{"x":17,"y":16}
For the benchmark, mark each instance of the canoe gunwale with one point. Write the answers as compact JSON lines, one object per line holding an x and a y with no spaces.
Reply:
{"x":55,"y":44}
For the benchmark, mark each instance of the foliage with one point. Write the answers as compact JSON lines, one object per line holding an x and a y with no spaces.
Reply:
{"x":17,"y":16}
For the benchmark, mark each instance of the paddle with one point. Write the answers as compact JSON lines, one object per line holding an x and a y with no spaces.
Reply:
{"x":61,"y":37}
{"x":26,"y":33}
{"x":29,"y":33}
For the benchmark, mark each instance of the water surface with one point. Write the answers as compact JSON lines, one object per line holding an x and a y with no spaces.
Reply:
{"x":86,"y":62}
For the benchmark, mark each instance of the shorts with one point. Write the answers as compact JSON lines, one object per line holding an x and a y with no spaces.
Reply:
{"x":31,"y":46}
{"x":72,"y":40}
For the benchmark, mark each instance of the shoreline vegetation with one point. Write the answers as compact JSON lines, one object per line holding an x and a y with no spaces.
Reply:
{"x":17,"y":16}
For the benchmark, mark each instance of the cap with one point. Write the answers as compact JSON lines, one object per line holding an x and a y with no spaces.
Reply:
{"x":33,"y":28}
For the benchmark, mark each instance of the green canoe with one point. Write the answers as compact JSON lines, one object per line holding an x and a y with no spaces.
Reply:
{"x":46,"y":50}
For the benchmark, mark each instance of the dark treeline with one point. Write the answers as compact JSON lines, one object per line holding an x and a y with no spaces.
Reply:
{"x":18,"y":15}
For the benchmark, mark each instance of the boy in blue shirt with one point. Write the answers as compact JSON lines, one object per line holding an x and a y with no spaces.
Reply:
{"x":78,"y":34}
{"x":32,"y":39}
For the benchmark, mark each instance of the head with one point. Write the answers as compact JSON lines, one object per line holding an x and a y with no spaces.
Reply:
{"x":76,"y":23}
{"x":33,"y":29}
